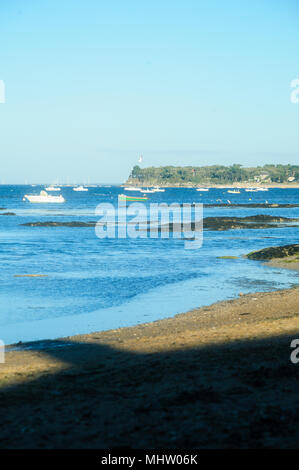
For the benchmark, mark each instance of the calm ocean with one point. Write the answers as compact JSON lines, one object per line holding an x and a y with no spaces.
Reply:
{"x":97,"y":284}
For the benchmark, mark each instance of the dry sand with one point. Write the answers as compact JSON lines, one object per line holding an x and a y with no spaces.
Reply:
{"x":216,"y":377}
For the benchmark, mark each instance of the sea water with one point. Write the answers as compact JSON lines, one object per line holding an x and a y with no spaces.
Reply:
{"x":93,"y":284}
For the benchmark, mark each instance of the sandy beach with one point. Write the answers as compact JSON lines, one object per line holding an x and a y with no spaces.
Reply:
{"x":215,"y":377}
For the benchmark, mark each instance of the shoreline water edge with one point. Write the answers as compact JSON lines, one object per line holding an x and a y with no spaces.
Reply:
{"x":162,"y":384}
{"x":284,"y":262}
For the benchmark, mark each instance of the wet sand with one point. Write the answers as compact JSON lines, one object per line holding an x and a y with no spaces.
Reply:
{"x":215,"y":377}
{"x":291,"y":263}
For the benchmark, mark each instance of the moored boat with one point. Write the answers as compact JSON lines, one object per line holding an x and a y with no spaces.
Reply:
{"x":132,"y":188}
{"x":124,"y":197}
{"x":43,"y":197}
{"x":53,"y":188}
{"x":148,"y":190}
{"x":80,"y":188}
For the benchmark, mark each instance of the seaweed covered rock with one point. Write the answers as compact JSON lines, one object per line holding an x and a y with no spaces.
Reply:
{"x":60,"y":224}
{"x":259,"y":221}
{"x":258,"y":205}
{"x":274,"y":252}
{"x":268,"y":218}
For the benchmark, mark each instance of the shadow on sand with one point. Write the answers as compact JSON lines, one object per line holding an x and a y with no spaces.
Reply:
{"x":236,"y":395}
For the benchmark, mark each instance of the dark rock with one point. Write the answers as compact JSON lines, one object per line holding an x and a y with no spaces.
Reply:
{"x":268,"y":218}
{"x":209,"y":223}
{"x":231,"y":223}
{"x":254,"y":205}
{"x":59,"y":224}
{"x":274,"y":252}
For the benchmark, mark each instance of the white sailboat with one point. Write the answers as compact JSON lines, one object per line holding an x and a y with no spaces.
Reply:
{"x":148,"y":190}
{"x":80,"y":188}
{"x":131,"y":188}
{"x":53,"y":188}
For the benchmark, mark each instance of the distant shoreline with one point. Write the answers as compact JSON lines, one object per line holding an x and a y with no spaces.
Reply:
{"x":215,"y":186}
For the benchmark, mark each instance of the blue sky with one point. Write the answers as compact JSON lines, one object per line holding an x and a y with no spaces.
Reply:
{"x":91,"y":85}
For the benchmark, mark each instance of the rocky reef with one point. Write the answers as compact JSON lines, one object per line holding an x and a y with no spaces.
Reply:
{"x":259,"y":221}
{"x":50,"y":223}
{"x":254,"y":205}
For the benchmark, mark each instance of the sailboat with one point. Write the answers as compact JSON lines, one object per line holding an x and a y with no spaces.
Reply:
{"x":52,"y":188}
{"x":80,"y":188}
{"x":148,"y":190}
{"x":132,"y":188}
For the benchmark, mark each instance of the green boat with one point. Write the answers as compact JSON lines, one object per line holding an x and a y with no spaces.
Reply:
{"x":124,"y":197}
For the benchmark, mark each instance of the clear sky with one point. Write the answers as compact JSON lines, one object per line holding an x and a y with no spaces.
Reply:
{"x":91,"y":85}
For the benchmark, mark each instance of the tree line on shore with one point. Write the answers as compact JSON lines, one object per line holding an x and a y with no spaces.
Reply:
{"x":217,"y":174}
